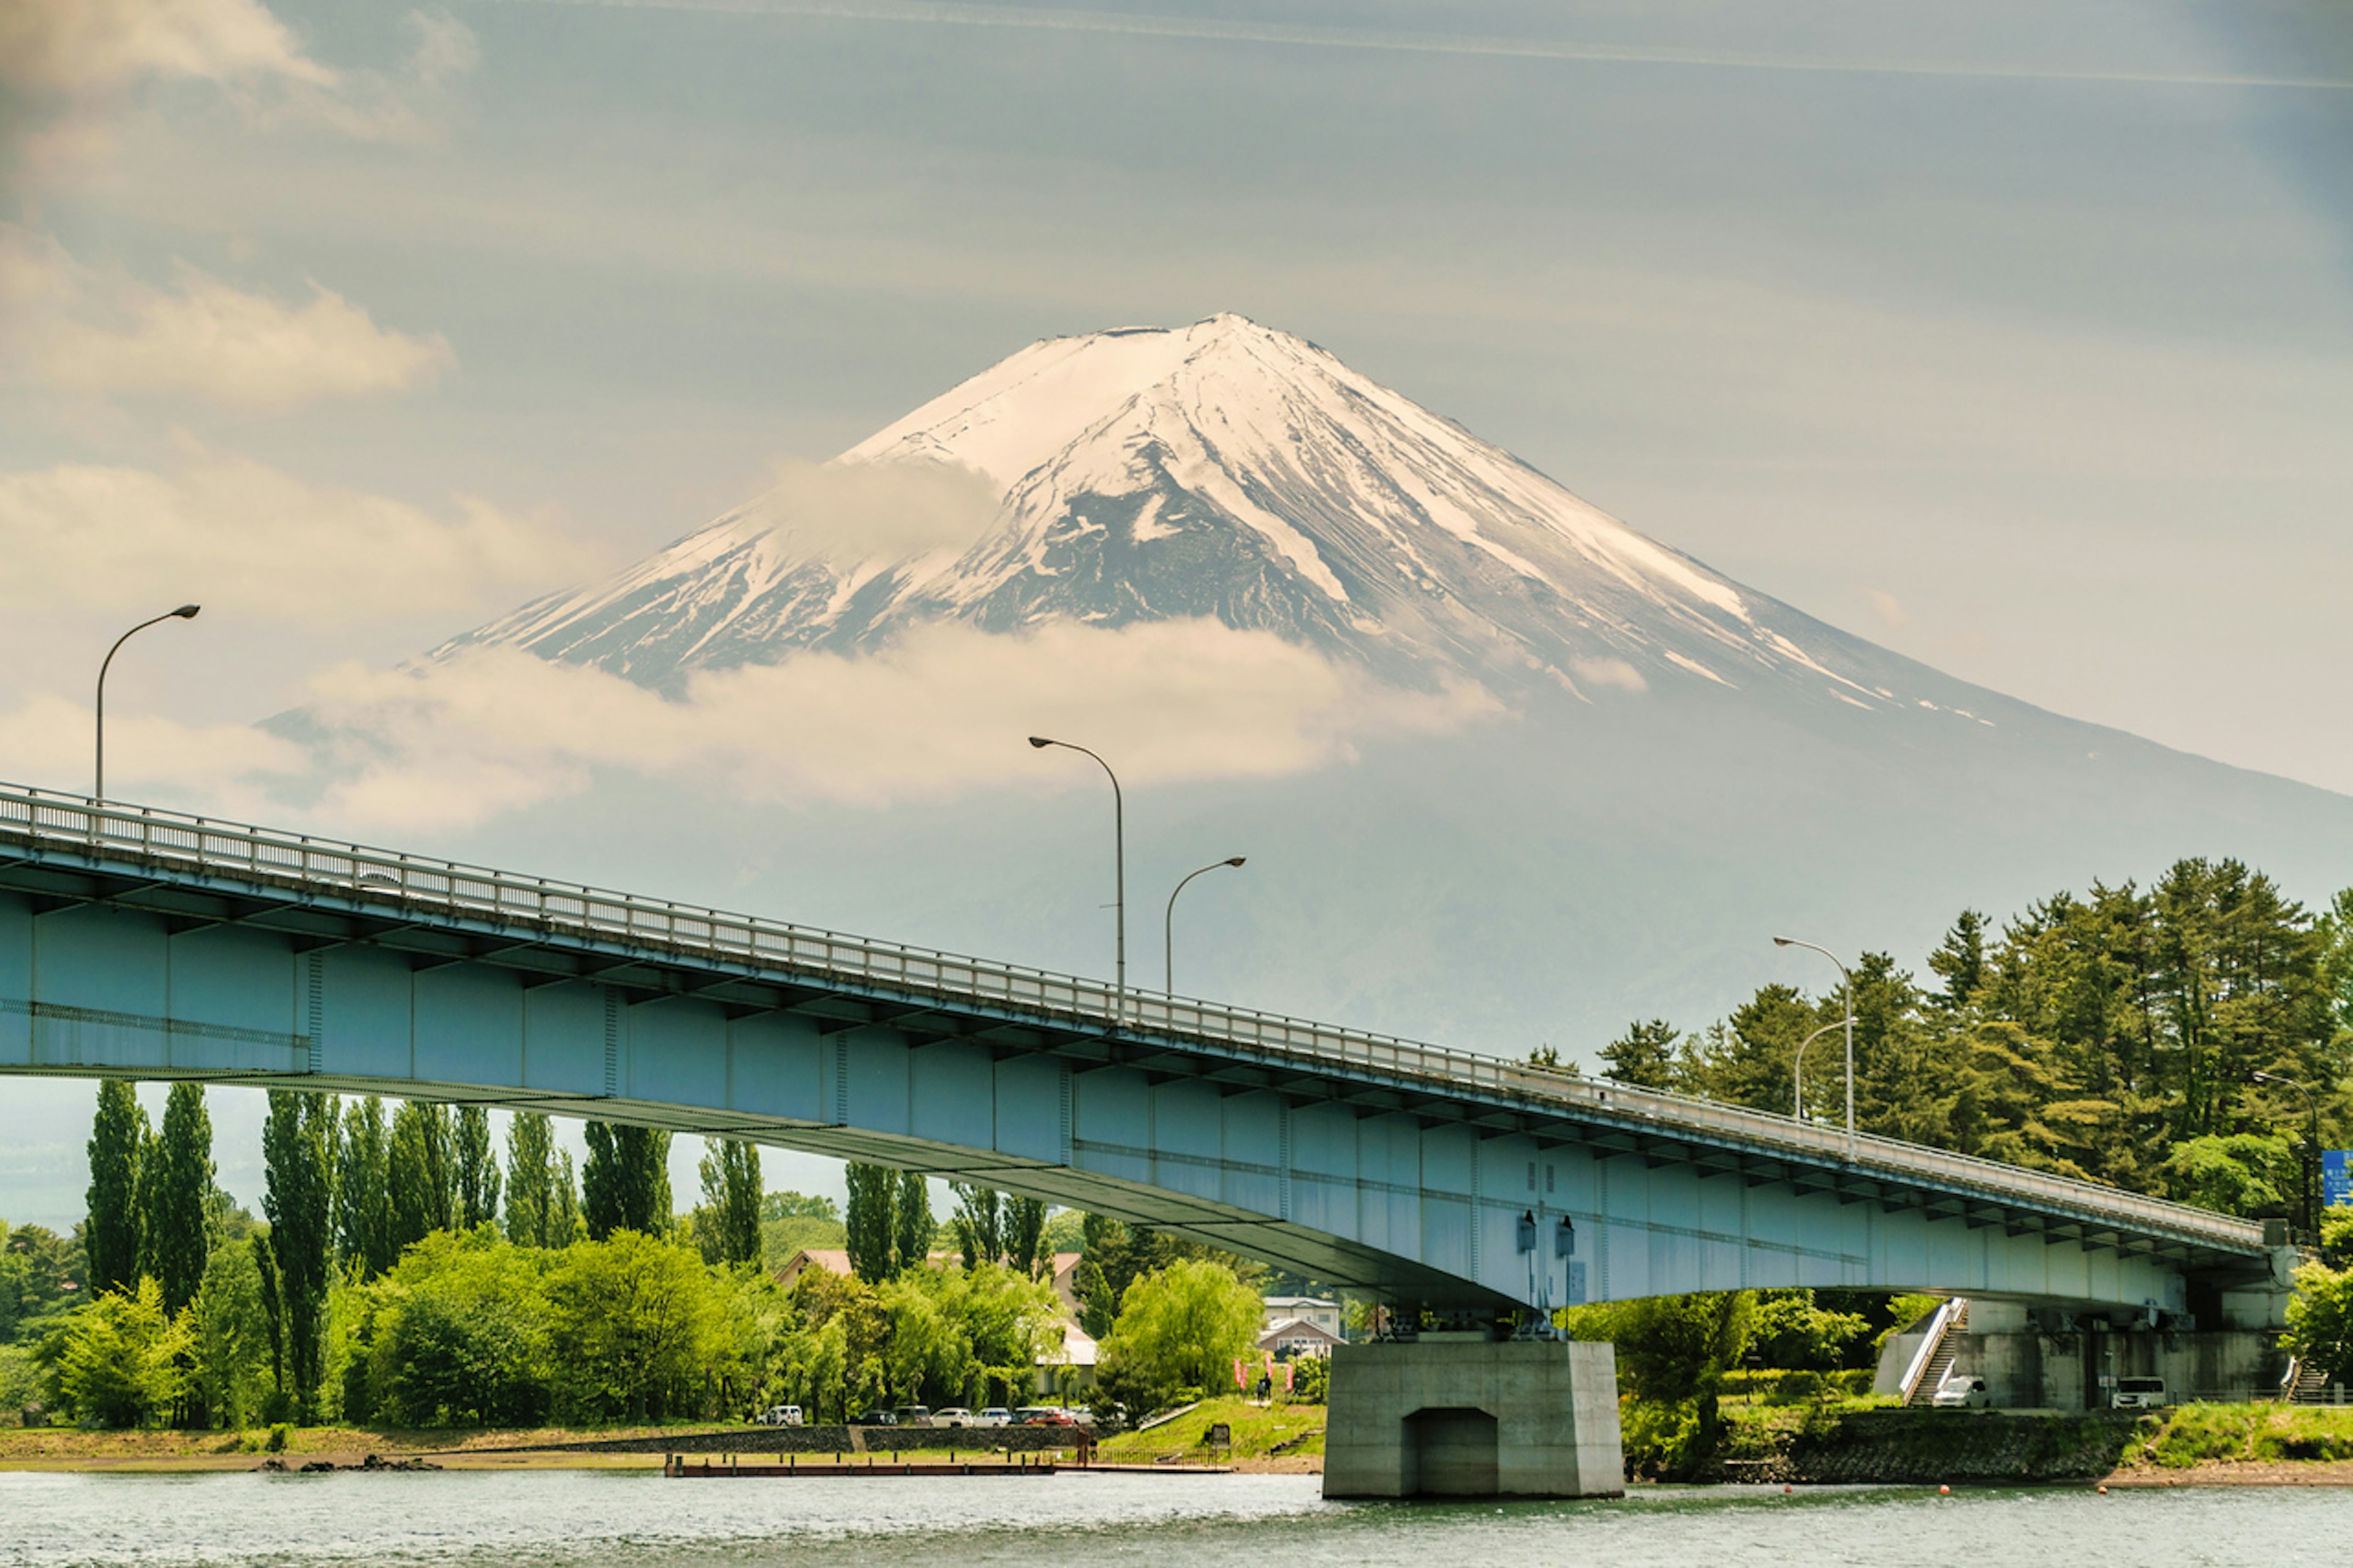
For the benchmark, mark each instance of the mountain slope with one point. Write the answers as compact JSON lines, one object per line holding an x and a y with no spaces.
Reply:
{"x":1230,"y":471}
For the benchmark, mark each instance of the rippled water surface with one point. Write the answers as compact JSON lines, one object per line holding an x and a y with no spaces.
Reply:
{"x":627,"y":1519}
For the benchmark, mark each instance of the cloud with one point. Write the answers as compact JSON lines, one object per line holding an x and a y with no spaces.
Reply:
{"x":76,"y":328}
{"x":849,"y":512}
{"x":51,"y":738}
{"x":943,"y":714}
{"x":1614,"y":672}
{"x":254,"y":540}
{"x":68,"y":67}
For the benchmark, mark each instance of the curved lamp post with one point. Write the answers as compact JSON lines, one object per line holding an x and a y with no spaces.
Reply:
{"x":185,"y":612}
{"x":1169,"y":925}
{"x":2312,"y":1154}
{"x":1119,"y":876}
{"x":1847,"y":976}
{"x":1798,"y":1085}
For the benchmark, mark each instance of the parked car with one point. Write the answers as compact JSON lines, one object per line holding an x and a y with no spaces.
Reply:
{"x":994,"y":1416}
{"x":1962,"y":1394}
{"x":779,"y":1415}
{"x":911,"y":1415}
{"x":876,"y":1418}
{"x":1042,"y":1415}
{"x":2139,"y":1394}
{"x":954,"y":1415}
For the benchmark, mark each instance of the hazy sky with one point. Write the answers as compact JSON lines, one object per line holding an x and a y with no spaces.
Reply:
{"x":2013,"y":335}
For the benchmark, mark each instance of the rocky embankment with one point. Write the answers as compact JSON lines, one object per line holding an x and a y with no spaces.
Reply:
{"x":1927,"y":1447}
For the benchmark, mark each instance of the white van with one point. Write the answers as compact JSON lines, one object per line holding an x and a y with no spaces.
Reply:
{"x":1962,"y":1394}
{"x":2139,"y":1394}
{"x":779,"y":1415}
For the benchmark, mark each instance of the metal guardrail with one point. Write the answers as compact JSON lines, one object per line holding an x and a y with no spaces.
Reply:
{"x":77,"y":826}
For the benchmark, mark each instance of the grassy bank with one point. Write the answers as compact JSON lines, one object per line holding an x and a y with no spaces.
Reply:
{"x":2196,"y":1435}
{"x":1289,"y":1436}
{"x":65,"y":1447}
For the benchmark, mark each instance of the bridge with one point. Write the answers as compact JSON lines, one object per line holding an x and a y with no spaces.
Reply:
{"x":145,"y":943}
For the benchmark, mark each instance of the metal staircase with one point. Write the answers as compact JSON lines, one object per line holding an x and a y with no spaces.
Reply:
{"x":1936,"y":1357}
{"x":2305,"y":1384}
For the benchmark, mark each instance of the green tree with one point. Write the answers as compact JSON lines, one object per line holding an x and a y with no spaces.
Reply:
{"x":975,"y":1224}
{"x":119,"y":1360}
{"x":626,"y":1185}
{"x":175,"y":1186}
{"x":36,"y":1265}
{"x":638,"y":1322}
{"x":727,"y":1225}
{"x":1178,"y":1332}
{"x":477,"y":1169}
{"x":297,"y":1143}
{"x":117,"y":1135}
{"x":911,"y":1222}
{"x":1024,"y":1235}
{"x":532,"y":1208}
{"x":462,"y":1336}
{"x":1644,"y":1055}
{"x":568,"y":1226}
{"x":2321,"y":1320}
{"x":228,"y":1337}
{"x":367,"y":1237}
{"x":799,"y":1205}
{"x":2244,"y":1173}
{"x":421,"y":1173}
{"x":873,"y":1202}
{"x":1672,"y":1353}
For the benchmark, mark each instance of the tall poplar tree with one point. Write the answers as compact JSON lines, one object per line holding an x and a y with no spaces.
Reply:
{"x":870,"y":1219}
{"x":422,"y":1183}
{"x":627,"y":1184}
{"x":727,"y":1225}
{"x":175,"y":1186}
{"x":531,"y":1202}
{"x":110,"y":1237}
{"x":297,"y":1143}
{"x":977,"y":1222}
{"x":477,"y":1169}
{"x":364,"y":1227}
{"x":565,"y":1226}
{"x":1025,"y":1234}
{"x":912,"y":1224}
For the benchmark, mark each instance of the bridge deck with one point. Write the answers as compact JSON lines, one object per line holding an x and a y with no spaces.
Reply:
{"x":63,"y":848}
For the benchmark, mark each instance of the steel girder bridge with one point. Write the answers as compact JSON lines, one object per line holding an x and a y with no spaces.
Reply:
{"x":148,"y":944}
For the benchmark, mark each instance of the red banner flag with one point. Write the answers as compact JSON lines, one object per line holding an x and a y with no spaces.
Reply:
{"x":1238,"y":1383}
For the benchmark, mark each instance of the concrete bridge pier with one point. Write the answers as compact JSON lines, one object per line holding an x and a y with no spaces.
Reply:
{"x":1460,"y":1414}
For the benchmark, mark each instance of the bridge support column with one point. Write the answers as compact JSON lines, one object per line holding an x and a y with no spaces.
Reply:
{"x":1450,"y":1417}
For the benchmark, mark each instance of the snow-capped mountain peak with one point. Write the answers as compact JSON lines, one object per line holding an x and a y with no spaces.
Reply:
{"x":1222,"y":469}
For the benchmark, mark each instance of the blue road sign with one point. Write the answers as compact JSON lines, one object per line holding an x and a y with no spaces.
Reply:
{"x":2335,"y":1177}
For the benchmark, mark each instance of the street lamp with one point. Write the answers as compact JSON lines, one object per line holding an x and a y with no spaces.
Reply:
{"x":1119,"y":876}
{"x":185,"y":612}
{"x":1169,"y":925}
{"x":1797,"y":1086}
{"x":1848,"y":978}
{"x":2312,"y":1152}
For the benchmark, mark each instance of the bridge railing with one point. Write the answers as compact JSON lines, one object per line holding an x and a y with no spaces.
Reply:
{"x":312,"y":868}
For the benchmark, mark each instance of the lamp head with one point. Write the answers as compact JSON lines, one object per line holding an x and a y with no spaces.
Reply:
{"x":1781,"y":942}
{"x":1040,"y":742}
{"x":1235,"y":861}
{"x":187,"y":612}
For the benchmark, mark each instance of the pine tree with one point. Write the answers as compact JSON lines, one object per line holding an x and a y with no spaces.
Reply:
{"x":110,"y":1236}
{"x":727,"y":1225}
{"x":477,"y":1169}
{"x":627,"y":1184}
{"x":870,"y":1219}
{"x":1025,"y":1234}
{"x":1644,"y":1055}
{"x":531,"y":1204}
{"x":911,"y":1222}
{"x":1959,"y":961}
{"x":175,"y":1185}
{"x":365,"y":1233}
{"x":298,"y":1152}
{"x":419,"y":1172}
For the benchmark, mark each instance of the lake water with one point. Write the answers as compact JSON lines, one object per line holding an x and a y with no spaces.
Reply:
{"x":630,"y":1519}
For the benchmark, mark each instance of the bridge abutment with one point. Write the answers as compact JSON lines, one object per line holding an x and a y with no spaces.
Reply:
{"x":1441,"y":1417}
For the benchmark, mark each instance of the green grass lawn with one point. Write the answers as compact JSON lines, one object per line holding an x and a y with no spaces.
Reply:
{"x":1258,"y":1431}
{"x":2195,"y":1433}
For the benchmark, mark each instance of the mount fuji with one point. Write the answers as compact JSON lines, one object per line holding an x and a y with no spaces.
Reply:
{"x":1689,"y":765}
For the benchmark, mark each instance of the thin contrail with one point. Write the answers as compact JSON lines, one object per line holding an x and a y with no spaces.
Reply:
{"x":953,"y":14}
